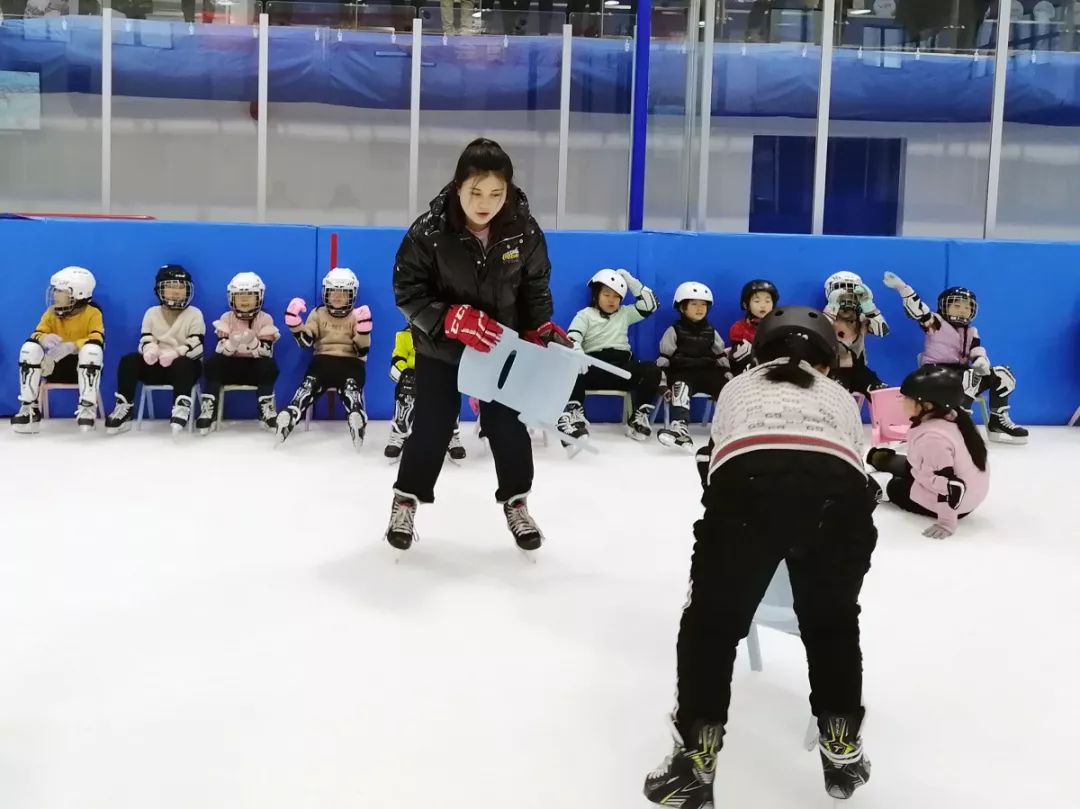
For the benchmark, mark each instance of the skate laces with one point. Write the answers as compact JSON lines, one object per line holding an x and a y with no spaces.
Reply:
{"x":837,"y":747}
{"x":565,"y":422}
{"x":517,"y":517}
{"x":1005,"y":419}
{"x":401,"y":516}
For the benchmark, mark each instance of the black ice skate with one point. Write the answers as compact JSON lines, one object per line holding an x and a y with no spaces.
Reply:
{"x":181,"y":414}
{"x":86,"y":416}
{"x":267,"y":413}
{"x":394,"y":444}
{"x":845,"y":766}
{"x":205,"y":422}
{"x":1003,"y":430}
{"x":572,"y":423}
{"x":286,"y":422}
{"x":455,"y":450}
{"x":28,"y":420}
{"x":685,"y":779}
{"x":357,"y":428}
{"x":400,"y":533}
{"x":677,"y":435}
{"x":527,"y":533}
{"x":637,"y":427}
{"x":120,"y":419}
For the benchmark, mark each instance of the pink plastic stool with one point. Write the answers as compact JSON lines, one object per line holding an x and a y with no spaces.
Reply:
{"x":887,"y":419}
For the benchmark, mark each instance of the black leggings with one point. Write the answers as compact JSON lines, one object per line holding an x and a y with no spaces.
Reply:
{"x":898,"y":489}
{"x":438,"y":404}
{"x":824,"y":529}
{"x":643,"y":383}
{"x":182,"y":374}
{"x":262,"y":372}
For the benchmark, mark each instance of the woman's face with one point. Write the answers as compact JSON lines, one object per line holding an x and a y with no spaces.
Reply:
{"x":608,"y":300}
{"x":482,"y":196}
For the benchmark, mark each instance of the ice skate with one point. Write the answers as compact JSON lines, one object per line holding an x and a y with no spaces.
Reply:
{"x":267,"y":413}
{"x":28,"y":420}
{"x":685,"y":778}
{"x":845,"y":766}
{"x":181,"y":414}
{"x":455,"y":450}
{"x":527,"y":533}
{"x":394,"y":445}
{"x":86,"y":416}
{"x":357,"y":428}
{"x":401,"y":533}
{"x":205,"y":422}
{"x":677,"y":436}
{"x":572,"y":423}
{"x":638,"y":427}
{"x":286,"y":422}
{"x":119,"y":420}
{"x":1003,"y":430}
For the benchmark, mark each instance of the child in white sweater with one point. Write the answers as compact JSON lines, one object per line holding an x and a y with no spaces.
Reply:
{"x":170,"y":351}
{"x":245,"y":352}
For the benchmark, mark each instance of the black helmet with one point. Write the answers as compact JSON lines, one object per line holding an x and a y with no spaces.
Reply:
{"x":171,"y":276}
{"x":936,"y":384}
{"x":957,"y":294}
{"x":758,"y":285}
{"x":797,"y":321}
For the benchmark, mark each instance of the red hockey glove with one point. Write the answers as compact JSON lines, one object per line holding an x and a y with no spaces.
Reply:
{"x":547,"y":333}
{"x":472,"y":327}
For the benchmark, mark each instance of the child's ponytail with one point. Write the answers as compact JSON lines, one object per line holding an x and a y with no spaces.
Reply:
{"x":797,"y":349}
{"x":976,"y":447}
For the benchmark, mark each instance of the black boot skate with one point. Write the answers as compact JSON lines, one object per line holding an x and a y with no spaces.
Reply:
{"x":845,"y":765}
{"x":685,"y":779}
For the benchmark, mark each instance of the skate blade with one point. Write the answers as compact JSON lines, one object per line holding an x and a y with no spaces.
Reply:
{"x":392,"y":461}
{"x":123,"y":428}
{"x":530,"y":556}
{"x":26,"y":430}
{"x":1001,"y":438}
{"x":634,"y":434}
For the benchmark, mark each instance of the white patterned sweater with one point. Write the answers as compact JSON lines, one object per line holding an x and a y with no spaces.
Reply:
{"x":755,"y":413}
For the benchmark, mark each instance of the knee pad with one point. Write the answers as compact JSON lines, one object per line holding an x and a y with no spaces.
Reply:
{"x":353,"y":396}
{"x":91,"y":354}
{"x":31,"y":354}
{"x":1006,"y":382}
{"x":406,"y":385}
{"x":680,"y":395}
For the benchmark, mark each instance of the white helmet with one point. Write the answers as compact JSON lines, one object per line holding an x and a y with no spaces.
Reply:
{"x":845,"y":279}
{"x":246,"y":283}
{"x":611,"y":279}
{"x":692,"y":291}
{"x":76,"y":282}
{"x":340,"y":278}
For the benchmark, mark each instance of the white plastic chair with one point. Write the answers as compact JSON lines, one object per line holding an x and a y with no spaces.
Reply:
{"x":776,"y":611}
{"x":146,"y":403}
{"x":332,"y":395}
{"x":707,"y":417}
{"x":46,"y":387}
{"x":1075,"y":418}
{"x":627,"y":400}
{"x":220,"y":419}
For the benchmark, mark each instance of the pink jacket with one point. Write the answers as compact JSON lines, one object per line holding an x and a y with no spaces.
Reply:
{"x":933,"y":446}
{"x":951,"y":345}
{"x":243,"y":338}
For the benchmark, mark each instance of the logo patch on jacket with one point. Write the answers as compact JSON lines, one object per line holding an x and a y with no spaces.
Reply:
{"x":511,"y":255}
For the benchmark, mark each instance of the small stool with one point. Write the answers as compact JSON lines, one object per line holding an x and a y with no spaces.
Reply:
{"x":332,"y":395}
{"x":221,"y":401}
{"x":146,"y":403}
{"x":43,"y":397}
{"x":710,"y":409}
{"x":628,"y":400}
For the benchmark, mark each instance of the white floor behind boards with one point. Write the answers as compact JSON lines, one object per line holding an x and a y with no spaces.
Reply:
{"x":216,"y":625}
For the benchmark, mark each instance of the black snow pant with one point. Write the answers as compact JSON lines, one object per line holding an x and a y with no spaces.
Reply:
{"x":220,"y":370}
{"x":643,"y":384}
{"x":182,"y":374}
{"x":438,"y":404}
{"x":709,"y":380}
{"x":812,"y":510}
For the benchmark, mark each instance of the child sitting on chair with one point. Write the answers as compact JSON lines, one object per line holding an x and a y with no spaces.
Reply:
{"x":403,"y":372}
{"x":341,"y":338}
{"x":602,"y":330}
{"x":170,"y":350}
{"x":944,"y":472}
{"x":758,"y":298}
{"x":245,"y":352}
{"x":850,"y":305}
{"x":693,"y":359}
{"x":66,"y":347}
{"x":952,"y":340}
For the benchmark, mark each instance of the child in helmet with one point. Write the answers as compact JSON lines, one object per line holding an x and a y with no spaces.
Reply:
{"x":67,"y":346}
{"x":784,"y":481}
{"x":692,"y":358}
{"x":403,"y":372}
{"x":601,"y":330}
{"x":952,"y":340}
{"x":341,"y":338}
{"x":944,"y":473}
{"x":757,"y":299}
{"x":170,"y":351}
{"x":850,"y":305}
{"x":245,"y":352}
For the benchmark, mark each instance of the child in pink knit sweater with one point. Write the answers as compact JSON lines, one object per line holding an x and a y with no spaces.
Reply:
{"x":944,"y":473}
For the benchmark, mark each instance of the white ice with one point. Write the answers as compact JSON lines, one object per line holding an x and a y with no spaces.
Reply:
{"x":213,"y":624}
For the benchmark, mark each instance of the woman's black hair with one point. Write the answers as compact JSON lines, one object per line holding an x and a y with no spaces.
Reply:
{"x":797,"y":349}
{"x":483,"y":156}
{"x":974,"y":443}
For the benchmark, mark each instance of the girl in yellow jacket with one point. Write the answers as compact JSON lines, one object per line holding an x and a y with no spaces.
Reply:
{"x":66,"y":347}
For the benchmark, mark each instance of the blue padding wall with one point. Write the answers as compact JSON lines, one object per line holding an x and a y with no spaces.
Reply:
{"x":1029,"y":292}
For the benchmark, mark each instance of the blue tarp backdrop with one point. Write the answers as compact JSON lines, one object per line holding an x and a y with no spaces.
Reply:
{"x":158,"y":59}
{"x":1029,"y":293}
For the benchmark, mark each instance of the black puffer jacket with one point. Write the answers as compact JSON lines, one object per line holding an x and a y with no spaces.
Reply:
{"x":440,"y":263}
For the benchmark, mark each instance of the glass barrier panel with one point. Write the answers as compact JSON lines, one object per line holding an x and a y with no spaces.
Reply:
{"x":341,"y":16}
{"x":50,"y":112}
{"x":466,"y":18}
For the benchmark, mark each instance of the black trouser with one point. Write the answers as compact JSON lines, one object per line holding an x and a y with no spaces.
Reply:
{"x":710,"y":380}
{"x":898,"y":489}
{"x":991,"y":382}
{"x":643,"y":383}
{"x":346,"y":374}
{"x":182,"y":374}
{"x":812,"y":510}
{"x":65,"y":372}
{"x":438,"y":404}
{"x":859,"y":378}
{"x":262,"y":372}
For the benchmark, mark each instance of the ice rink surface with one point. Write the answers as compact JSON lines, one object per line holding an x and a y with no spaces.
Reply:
{"x":213,"y":624}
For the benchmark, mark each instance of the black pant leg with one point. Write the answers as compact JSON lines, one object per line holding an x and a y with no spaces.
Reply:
{"x":215,"y":370}
{"x":899,"y":492}
{"x":511,"y":448}
{"x":438,"y":403}
{"x":598,"y":379}
{"x":645,"y":377}
{"x":826,"y":577}
{"x":992,"y":383}
{"x":264,"y":374}
{"x":65,"y":372}
{"x":129,"y":373}
{"x":182,"y":374}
